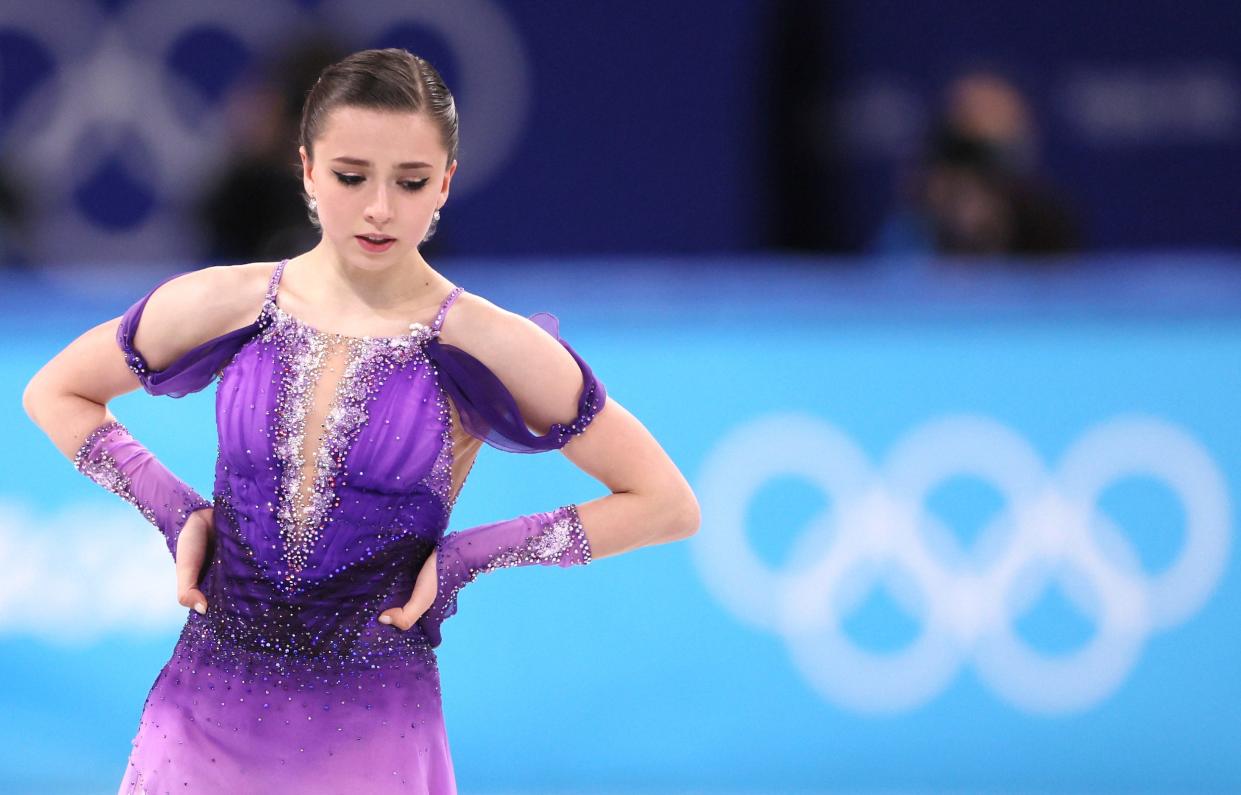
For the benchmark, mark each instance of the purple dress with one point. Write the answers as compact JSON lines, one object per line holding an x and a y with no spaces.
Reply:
{"x":340,"y":459}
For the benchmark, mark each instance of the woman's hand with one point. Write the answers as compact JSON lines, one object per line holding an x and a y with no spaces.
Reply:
{"x":425,"y":588}
{"x":193,"y":543}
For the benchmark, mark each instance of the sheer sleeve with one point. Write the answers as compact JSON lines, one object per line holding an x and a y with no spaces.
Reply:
{"x":114,"y":459}
{"x":488,"y":410}
{"x":193,"y":370}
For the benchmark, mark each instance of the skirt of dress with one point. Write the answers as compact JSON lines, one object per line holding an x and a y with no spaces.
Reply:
{"x":219,"y":721}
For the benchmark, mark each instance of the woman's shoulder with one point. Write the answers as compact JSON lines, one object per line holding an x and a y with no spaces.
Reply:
{"x":530,"y":360}
{"x":216,"y":293}
{"x":490,"y":331}
{"x":193,"y":307}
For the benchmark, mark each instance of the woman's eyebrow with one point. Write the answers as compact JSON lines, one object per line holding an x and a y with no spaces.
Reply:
{"x":357,"y":161}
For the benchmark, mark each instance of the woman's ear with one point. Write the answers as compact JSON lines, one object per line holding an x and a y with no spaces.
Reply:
{"x":308,"y":181}
{"x":447,"y":181}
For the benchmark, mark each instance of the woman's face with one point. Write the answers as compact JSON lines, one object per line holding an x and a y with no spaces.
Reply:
{"x":376,"y":173}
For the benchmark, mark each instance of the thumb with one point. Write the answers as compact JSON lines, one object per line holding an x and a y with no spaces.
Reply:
{"x":194,"y":598}
{"x":403,"y":617}
{"x":395,"y":616}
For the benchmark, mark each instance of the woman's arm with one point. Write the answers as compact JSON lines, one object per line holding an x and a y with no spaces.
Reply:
{"x":650,"y":501}
{"x":67,"y":398}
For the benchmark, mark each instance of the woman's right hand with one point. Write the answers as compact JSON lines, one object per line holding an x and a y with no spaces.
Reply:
{"x":425,"y":589}
{"x":193,"y":543}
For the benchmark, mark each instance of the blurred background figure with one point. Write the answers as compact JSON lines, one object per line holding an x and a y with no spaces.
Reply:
{"x":977,"y":189}
{"x":255,"y":210}
{"x":891,"y":128}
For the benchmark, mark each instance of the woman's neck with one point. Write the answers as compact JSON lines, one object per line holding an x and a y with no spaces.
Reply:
{"x":327,"y":281}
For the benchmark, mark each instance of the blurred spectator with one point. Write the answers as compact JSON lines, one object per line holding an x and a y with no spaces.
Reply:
{"x":987,"y":107}
{"x":977,"y":190}
{"x":255,"y":210}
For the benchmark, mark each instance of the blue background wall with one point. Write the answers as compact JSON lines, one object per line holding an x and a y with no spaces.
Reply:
{"x":637,"y":127}
{"x":801,"y":402}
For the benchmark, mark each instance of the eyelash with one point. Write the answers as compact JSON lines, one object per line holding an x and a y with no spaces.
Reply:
{"x":409,"y":185}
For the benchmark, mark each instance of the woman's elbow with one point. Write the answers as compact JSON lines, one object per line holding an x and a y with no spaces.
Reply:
{"x":33,"y":400}
{"x":685,"y":515}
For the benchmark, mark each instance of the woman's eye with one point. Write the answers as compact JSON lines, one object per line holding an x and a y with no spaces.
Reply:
{"x":355,"y":179}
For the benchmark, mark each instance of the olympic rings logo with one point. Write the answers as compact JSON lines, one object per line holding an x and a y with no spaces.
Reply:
{"x":114,"y":100}
{"x":877,"y":530}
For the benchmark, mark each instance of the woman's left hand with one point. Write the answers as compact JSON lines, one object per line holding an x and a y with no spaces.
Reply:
{"x":195,"y":544}
{"x":425,"y":588}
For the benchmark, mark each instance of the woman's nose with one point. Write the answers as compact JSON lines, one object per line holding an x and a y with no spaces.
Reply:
{"x":380,"y":208}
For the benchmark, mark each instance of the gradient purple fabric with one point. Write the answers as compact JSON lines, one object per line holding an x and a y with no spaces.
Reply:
{"x":289,"y":683}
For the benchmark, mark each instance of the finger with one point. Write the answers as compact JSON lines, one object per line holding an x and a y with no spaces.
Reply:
{"x":188,"y":569}
{"x":188,"y":592}
{"x":420,"y":601}
{"x":397,"y":617}
{"x":403,"y":617}
{"x":191,"y":553}
{"x":192,"y":597}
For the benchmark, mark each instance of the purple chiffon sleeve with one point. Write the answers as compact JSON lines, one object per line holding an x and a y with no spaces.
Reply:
{"x":193,"y":370}
{"x":489,"y":412}
{"x":111,"y":457}
{"x":551,"y":538}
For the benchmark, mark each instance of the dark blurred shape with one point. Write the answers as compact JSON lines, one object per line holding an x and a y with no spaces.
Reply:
{"x":255,"y":210}
{"x":977,"y":189}
{"x":802,"y":179}
{"x":14,"y":243}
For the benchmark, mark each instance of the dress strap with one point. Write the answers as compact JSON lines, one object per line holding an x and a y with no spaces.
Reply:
{"x":274,"y":283}
{"x":439,"y":318}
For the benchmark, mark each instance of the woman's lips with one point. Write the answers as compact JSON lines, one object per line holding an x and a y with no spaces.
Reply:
{"x":375,"y":247}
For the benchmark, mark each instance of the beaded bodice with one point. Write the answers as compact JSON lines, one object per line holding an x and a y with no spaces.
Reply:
{"x":339,"y":463}
{"x":341,"y":440}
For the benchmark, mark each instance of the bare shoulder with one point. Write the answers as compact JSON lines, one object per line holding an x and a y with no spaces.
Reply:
{"x":199,"y":306}
{"x":487,"y":330}
{"x":540,"y":373}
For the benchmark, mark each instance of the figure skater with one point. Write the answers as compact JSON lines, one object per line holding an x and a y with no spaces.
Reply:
{"x":355,"y":385}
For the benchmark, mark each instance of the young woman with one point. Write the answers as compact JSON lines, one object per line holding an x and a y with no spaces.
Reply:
{"x":356,"y":385}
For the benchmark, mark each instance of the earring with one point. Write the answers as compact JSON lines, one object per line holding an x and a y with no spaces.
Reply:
{"x":313,"y":204}
{"x":435,"y":220}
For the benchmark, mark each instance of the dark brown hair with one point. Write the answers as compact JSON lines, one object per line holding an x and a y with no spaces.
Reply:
{"x":389,"y":79}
